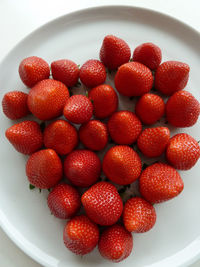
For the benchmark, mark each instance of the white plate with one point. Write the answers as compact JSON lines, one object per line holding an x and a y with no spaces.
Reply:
{"x":175,"y":240}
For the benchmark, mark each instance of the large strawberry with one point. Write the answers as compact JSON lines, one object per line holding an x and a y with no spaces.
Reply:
{"x":102,"y":203}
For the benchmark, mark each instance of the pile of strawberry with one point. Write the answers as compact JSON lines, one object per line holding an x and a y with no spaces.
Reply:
{"x":106,"y":221}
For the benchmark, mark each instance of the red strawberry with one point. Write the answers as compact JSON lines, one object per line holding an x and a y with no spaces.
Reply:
{"x":122,"y":165}
{"x":183,"y":151}
{"x":153,"y":141}
{"x":139,"y":216}
{"x":182,"y":109}
{"x":124,"y":127}
{"x":80,"y":235}
{"x":64,"y":201}
{"x":115,"y":243}
{"x":114,"y":52}
{"x":171,"y":76}
{"x":104,"y":99}
{"x":44,"y":169}
{"x":82,"y":168}
{"x":94,"y":135}
{"x":26,"y":136}
{"x":47,"y":98}
{"x":102,"y":203}
{"x":61,"y":136}
{"x":148,"y":54}
{"x":14,"y":105}
{"x":32,"y":70}
{"x":78,"y":109}
{"x":92,"y":73}
{"x":150,"y":108}
{"x":133,"y":79}
{"x":160,"y":182}
{"x":65,"y":71}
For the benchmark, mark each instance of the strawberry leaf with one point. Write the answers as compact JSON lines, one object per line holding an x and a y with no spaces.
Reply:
{"x":31,"y":187}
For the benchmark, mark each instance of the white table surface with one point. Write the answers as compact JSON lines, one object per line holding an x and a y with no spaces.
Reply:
{"x":13,"y":13}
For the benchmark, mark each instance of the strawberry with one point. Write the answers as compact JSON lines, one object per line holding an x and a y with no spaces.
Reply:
{"x":102,"y":203}
{"x":80,"y":235}
{"x":153,"y":141}
{"x":150,"y":108}
{"x":26,"y":136}
{"x":61,"y":136}
{"x":64,"y":201}
{"x":92,"y":73}
{"x":183,"y":151}
{"x":94,"y":135}
{"x":160,"y":182}
{"x":47,"y":98}
{"x":104,"y":99}
{"x":44,"y":169}
{"x":148,"y":54}
{"x":171,"y":76}
{"x":115,"y":243}
{"x":139,"y":216}
{"x":32,"y":70}
{"x":133,"y":79}
{"x":122,"y":165}
{"x":114,"y":52}
{"x":65,"y":71}
{"x":82,"y":168}
{"x":182,"y":109}
{"x":14,"y":105}
{"x":78,"y":109}
{"x":124,"y":127}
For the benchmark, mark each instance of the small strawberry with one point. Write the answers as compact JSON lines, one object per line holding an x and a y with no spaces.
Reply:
{"x":133,"y":79}
{"x":26,"y":136}
{"x":114,"y":52}
{"x":82,"y":168}
{"x":61,"y":136}
{"x":92,"y":73}
{"x":47,"y":98}
{"x":153,"y":141}
{"x":14,"y":105}
{"x":122,"y":165}
{"x":139,"y":216}
{"x":148,"y":54}
{"x":183,"y":151}
{"x":182,"y":109}
{"x":44,"y":169}
{"x":102,"y":203}
{"x":171,"y":76}
{"x":104,"y":99}
{"x":64,"y":201}
{"x":150,"y":108}
{"x":80,"y":235}
{"x":32,"y":70}
{"x":65,"y":71}
{"x":94,"y":135}
{"x":124,"y":127}
{"x":160,"y":182}
{"x":78,"y":109}
{"x":115,"y":243}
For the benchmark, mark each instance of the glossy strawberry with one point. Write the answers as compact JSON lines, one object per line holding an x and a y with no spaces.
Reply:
{"x":33,"y":70}
{"x":114,"y":52}
{"x":133,"y":79}
{"x":102,"y":203}
{"x":183,"y":151}
{"x":80,"y":235}
{"x":122,"y":165}
{"x":171,"y":76}
{"x":160,"y":182}
{"x":115,"y":243}
{"x":104,"y":99}
{"x":26,"y":136}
